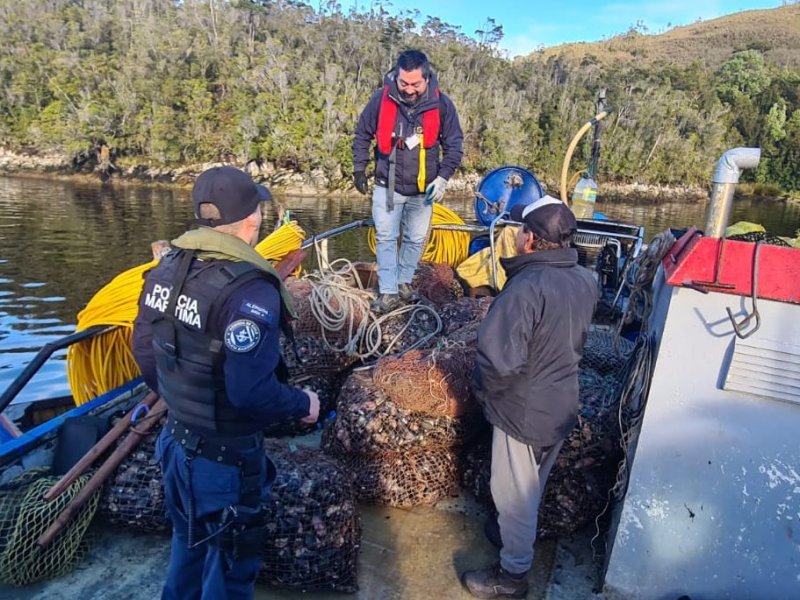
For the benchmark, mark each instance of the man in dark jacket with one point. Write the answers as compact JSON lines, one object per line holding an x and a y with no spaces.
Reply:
{"x":206,"y":338}
{"x":411,"y":123}
{"x":526,"y":379}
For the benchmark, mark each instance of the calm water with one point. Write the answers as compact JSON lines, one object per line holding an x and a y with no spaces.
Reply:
{"x":61,"y":242}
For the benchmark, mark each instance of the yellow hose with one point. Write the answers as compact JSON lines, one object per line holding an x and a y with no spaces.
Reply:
{"x":446,"y":247}
{"x":100,"y":364}
{"x":568,"y":156}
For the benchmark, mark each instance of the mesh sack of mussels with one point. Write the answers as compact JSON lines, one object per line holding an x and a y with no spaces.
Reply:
{"x":463,"y":312}
{"x":367,"y":422}
{"x":411,"y":477}
{"x":134,"y":497}
{"x":432,"y":381}
{"x":606,"y":352}
{"x":307,"y":322}
{"x":313,"y":357}
{"x":437,"y":282}
{"x":313,"y":532}
{"x":585,"y":469}
{"x":327,"y":389}
{"x":404,"y":331}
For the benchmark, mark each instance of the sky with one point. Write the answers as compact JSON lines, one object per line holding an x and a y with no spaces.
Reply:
{"x":530,"y":25}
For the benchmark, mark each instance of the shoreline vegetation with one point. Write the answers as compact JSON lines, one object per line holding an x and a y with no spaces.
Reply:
{"x":287,"y":182}
{"x":153,"y":91}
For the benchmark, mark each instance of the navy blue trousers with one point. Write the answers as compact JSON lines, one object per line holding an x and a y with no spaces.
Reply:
{"x":203,"y":571}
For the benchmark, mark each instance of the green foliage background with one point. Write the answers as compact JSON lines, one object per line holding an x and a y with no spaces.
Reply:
{"x":169,"y":83}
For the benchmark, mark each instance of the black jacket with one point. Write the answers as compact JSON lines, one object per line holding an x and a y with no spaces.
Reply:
{"x":530,"y":344}
{"x":409,"y":118}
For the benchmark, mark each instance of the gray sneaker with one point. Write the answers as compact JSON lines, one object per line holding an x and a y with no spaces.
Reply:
{"x":385,"y":303}
{"x":407,"y":293}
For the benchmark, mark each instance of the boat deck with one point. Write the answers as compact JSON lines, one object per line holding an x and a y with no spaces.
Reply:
{"x":405,"y":554}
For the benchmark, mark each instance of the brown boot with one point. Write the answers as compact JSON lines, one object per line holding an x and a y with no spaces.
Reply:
{"x":495,"y":582}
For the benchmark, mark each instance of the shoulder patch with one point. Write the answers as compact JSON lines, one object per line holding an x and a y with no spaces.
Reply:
{"x":242,"y":335}
{"x":257,"y":312}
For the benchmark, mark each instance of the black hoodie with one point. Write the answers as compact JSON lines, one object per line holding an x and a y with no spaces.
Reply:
{"x":409,"y":117}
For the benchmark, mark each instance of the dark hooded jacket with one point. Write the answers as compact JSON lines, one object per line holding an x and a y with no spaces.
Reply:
{"x":409,"y":117}
{"x":530,"y":344}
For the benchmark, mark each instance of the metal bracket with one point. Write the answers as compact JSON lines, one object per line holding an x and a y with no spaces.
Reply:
{"x":738,"y":328}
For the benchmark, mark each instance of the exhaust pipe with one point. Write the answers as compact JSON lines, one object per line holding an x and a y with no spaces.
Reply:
{"x":726,"y":176}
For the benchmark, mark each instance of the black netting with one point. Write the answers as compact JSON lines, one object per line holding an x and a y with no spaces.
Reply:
{"x":413,"y":477}
{"x":313,"y":529}
{"x":462,"y":312}
{"x":134,"y":496}
{"x":606,"y":352}
{"x":584,"y":471}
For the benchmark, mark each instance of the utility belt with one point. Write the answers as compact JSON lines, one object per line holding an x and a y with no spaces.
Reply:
{"x":225,"y":450}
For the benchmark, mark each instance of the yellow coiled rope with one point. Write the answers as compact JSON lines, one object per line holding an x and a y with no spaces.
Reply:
{"x":105,"y":361}
{"x":446,"y":247}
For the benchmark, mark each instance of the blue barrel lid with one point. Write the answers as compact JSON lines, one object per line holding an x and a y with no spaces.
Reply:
{"x":506,"y":186}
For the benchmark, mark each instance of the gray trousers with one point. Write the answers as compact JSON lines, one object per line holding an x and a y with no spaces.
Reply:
{"x":517,"y":483}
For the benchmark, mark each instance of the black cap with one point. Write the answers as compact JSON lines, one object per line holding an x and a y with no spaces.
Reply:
{"x":549,"y":218}
{"x":232,"y":191}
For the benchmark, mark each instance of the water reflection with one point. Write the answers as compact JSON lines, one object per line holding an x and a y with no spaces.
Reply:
{"x":60,"y":242}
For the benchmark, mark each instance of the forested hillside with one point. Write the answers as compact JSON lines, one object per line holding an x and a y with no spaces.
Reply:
{"x":165,"y":82}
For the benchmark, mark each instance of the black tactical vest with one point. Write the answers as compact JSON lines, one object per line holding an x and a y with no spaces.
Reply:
{"x":187,"y":343}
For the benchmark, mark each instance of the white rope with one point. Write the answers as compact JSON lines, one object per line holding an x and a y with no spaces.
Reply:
{"x":339,"y":302}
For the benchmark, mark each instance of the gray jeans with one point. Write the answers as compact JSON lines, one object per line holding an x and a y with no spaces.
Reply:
{"x":517,"y":483}
{"x":396,"y":267}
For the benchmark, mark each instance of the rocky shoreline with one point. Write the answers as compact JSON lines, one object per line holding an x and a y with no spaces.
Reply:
{"x":91,"y":169}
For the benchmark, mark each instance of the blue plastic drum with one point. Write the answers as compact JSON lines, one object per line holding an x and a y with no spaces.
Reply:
{"x":504,"y":188}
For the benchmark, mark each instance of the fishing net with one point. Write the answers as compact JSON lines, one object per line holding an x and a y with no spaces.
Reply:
{"x":411,"y":477}
{"x":605,"y":352}
{"x":463,"y":312}
{"x":368,"y":423}
{"x":434,"y":382}
{"x":437,"y":282}
{"x":313,"y":357}
{"x":409,"y":329}
{"x":313,"y":529}
{"x":585,"y":469}
{"x":466,"y":335}
{"x":394,"y":456}
{"x":305,"y":324}
{"x":24,"y":516}
{"x":134,"y":497}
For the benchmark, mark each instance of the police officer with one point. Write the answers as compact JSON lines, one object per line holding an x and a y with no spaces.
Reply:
{"x":206,"y":338}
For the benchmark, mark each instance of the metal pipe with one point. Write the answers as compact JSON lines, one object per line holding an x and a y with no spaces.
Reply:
{"x":726,"y":176}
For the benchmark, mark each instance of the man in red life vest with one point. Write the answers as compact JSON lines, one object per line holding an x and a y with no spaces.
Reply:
{"x":418,"y":148}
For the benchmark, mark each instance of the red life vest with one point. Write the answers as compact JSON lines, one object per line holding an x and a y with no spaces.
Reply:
{"x":387,"y":116}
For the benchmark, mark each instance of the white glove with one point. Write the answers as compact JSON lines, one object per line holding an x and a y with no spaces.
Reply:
{"x":435,"y":190}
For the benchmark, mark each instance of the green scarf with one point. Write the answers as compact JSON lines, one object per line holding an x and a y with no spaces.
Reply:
{"x":222,"y":246}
